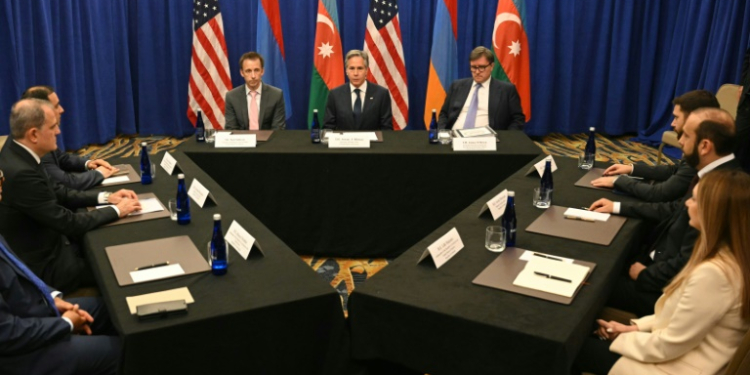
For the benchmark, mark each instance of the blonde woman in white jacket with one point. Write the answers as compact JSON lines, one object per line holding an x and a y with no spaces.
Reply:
{"x":704,"y":312}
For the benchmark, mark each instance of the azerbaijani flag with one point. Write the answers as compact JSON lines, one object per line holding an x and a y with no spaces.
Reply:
{"x":271,"y":46}
{"x":443,"y":58}
{"x":511,"y":48}
{"x":328,"y":69}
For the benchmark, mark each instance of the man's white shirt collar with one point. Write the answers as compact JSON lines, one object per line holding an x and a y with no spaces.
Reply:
{"x":36,"y":157}
{"x":362,"y":88}
{"x":259,"y":89}
{"x":711,"y":166}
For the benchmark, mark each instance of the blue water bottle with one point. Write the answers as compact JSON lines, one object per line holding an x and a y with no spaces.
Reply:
{"x":218,"y":249}
{"x":183,"y":201}
{"x":546,"y":187}
{"x":200,"y":129}
{"x":433,"y":128}
{"x":146,"y":176}
{"x":315,"y":128}
{"x":509,"y":220}
{"x":589,"y":154}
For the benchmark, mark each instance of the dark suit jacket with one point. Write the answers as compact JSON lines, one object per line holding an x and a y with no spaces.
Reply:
{"x":70,"y":170}
{"x":35,"y":215}
{"x":675,"y":240}
{"x":742,"y":120}
{"x":376,"y":109}
{"x":670,"y":182}
{"x":272,"y":113}
{"x":27,"y":323}
{"x":504,"y":105}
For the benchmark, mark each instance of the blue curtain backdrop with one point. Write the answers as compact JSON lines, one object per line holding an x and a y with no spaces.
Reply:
{"x":122,"y":66}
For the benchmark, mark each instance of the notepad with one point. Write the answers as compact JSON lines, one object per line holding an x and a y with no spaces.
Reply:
{"x":115,"y":180}
{"x":148,"y":205}
{"x":533,"y":276}
{"x":585,"y":215}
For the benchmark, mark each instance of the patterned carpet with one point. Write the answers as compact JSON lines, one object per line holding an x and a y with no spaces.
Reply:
{"x":345,"y":274}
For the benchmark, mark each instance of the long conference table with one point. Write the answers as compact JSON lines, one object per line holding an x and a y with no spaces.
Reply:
{"x":273,"y":314}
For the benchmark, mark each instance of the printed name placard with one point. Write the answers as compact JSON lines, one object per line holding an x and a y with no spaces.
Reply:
{"x":168,"y":162}
{"x":475,"y":144}
{"x":444,"y":248}
{"x":230,"y":140}
{"x":348,"y":140}
{"x":539,"y":167}
{"x":199,"y":193}
{"x":241,"y":240}
{"x":496,"y":205}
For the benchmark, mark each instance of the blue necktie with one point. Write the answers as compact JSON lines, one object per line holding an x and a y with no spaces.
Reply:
{"x":357,"y":110}
{"x":39,"y":284}
{"x":471,"y":115}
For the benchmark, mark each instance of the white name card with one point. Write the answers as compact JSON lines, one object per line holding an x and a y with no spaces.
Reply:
{"x":229,"y":140}
{"x":350,"y":140}
{"x":115,"y":180}
{"x":240,"y":239}
{"x":475,"y":144}
{"x":168,"y":162}
{"x":539,"y":167}
{"x":496,"y":205}
{"x":444,"y":248}
{"x":199,"y":193}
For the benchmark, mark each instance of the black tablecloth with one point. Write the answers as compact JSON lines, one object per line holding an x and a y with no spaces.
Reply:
{"x":267,"y":315}
{"x":373,"y":202}
{"x":437,"y":321}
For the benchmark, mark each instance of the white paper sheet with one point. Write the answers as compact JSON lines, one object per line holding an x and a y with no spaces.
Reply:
{"x":529,"y":279}
{"x":586,"y":215}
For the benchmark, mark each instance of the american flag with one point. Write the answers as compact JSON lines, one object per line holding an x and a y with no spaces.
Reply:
{"x":209,"y":67}
{"x":383,"y":44}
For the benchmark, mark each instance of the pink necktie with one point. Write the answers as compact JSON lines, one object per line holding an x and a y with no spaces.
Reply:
{"x":253,"y":111}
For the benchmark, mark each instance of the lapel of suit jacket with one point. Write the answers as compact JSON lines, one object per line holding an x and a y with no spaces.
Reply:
{"x":493,"y":94}
{"x":244,"y":117}
{"x":264,"y":102}
{"x":348,"y":100}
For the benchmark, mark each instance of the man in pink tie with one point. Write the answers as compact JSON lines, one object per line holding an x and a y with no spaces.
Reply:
{"x":254,"y":105}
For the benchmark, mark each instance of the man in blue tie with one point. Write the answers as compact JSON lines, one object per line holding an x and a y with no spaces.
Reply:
{"x":482,"y":100}
{"x":40,"y":333}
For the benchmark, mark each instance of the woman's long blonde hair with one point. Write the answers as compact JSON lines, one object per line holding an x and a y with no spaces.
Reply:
{"x":724,"y":210}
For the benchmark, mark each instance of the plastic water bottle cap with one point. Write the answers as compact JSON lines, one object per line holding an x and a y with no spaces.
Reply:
{"x":434,"y":110}
{"x":315,"y":111}
{"x":181,"y":176}
{"x":511,"y":193}
{"x":217,"y":217}
{"x":144,"y":144}
{"x":591,"y":129}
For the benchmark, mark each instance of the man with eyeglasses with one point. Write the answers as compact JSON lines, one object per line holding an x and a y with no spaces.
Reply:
{"x":482,"y":100}
{"x":359,"y":104}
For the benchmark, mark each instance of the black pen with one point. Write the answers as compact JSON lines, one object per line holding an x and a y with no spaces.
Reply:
{"x":552,"y":277}
{"x":152,"y":266}
{"x":547,"y":256}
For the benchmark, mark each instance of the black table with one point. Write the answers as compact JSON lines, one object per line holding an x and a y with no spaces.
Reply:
{"x":267,"y":315}
{"x":437,"y":321}
{"x":373,"y":202}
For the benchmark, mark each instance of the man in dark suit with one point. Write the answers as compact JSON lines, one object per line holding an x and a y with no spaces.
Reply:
{"x":359,"y":104}
{"x":36,"y":215}
{"x":707,"y":140}
{"x":254,"y":105}
{"x":482,"y":100}
{"x":671,"y":181}
{"x":70,"y":170}
{"x":40,"y":333}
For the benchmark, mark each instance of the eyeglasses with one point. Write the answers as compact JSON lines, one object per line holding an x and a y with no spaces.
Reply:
{"x":479,"y":68}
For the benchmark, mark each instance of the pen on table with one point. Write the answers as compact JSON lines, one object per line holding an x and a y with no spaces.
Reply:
{"x":547,"y":256}
{"x":585,"y":208}
{"x":571,"y":217}
{"x":553,"y":277}
{"x":152,"y":266}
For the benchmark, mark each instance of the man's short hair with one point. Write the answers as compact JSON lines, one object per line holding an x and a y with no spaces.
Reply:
{"x":38,"y":92}
{"x":357,"y":53}
{"x":27,"y":114}
{"x":719,"y":133}
{"x":252,"y":56}
{"x":482,"y":52}
{"x":692,"y":100}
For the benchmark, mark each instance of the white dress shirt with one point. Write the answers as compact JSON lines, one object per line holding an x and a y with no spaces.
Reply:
{"x":483,"y":106}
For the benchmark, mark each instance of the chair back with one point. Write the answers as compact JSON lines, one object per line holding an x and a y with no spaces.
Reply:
{"x":728,"y":97}
{"x":740,"y":363}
